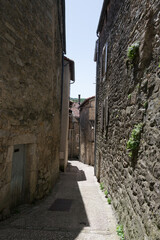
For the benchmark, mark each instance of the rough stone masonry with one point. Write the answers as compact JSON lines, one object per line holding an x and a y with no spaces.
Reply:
{"x":31,"y":47}
{"x":128,"y":95}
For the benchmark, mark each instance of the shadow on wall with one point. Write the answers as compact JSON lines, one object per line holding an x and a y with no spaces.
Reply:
{"x":61,"y":215}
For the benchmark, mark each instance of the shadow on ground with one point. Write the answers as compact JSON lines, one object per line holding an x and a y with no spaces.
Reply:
{"x":61,"y":215}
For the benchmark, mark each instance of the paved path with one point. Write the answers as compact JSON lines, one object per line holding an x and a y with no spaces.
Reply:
{"x":75,"y":210}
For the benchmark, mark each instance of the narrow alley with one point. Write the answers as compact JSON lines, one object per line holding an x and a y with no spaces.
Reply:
{"x":75,"y":210}
{"x":79,"y":82}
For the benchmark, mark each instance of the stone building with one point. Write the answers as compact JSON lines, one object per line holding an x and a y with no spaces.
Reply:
{"x":87,"y":117}
{"x":32,"y":36}
{"x":73,"y":135}
{"x":128,"y":113}
{"x":68,"y":78}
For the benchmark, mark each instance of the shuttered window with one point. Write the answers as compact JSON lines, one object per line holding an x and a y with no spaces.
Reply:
{"x":104,"y":62}
{"x":104,"y":121}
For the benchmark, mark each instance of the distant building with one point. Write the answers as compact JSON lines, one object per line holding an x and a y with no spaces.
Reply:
{"x":73,"y":135}
{"x":87,"y":117}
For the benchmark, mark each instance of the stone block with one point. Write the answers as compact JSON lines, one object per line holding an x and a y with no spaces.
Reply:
{"x":10,"y":39}
{"x":156,"y":170}
{"x":9,"y":154}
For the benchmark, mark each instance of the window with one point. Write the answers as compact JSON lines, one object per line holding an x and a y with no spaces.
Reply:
{"x":104,"y":63}
{"x":104,"y":121}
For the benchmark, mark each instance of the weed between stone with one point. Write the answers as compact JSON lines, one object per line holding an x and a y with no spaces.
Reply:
{"x":109,"y":200}
{"x":105,"y":193}
{"x":101,"y":186}
{"x":129,"y":96}
{"x":120,"y":232}
{"x":134,"y":140}
{"x":132,"y":51}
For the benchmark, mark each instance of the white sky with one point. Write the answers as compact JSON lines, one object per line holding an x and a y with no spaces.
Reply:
{"x":82,"y":19}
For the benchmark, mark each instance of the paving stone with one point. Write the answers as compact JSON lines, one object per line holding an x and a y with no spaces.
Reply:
{"x":88,"y":218}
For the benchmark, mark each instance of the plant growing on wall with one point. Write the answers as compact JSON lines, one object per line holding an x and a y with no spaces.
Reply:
{"x":134,"y":140}
{"x":120,"y":232}
{"x":109,"y":200}
{"x":145,"y":105}
{"x":132,"y":51}
{"x":106,"y":193}
{"x":129,"y":96}
{"x":101,"y":186}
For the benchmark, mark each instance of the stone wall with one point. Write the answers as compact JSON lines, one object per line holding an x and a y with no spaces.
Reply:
{"x":132,"y":90}
{"x":30,"y":94}
{"x":73,"y":138}
{"x":87,"y":117}
{"x":73,"y":134}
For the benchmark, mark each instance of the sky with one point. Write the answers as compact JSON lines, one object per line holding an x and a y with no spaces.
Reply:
{"x":82,"y":19}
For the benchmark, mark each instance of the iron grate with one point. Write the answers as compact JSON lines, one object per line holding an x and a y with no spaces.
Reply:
{"x":61,"y":205}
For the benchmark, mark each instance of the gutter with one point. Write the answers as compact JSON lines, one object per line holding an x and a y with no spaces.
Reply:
{"x":64,"y":26}
{"x":62,"y":81}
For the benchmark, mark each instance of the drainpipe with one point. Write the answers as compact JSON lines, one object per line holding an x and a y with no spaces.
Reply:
{"x":79,"y":99}
{"x":61,"y":22}
{"x":96,"y":107}
{"x":79,"y":102}
{"x":62,"y":81}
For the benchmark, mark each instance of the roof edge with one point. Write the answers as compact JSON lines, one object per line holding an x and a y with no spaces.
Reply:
{"x":64,"y":25}
{"x":101,"y":19}
{"x":85,"y":101}
{"x":72,"y":68}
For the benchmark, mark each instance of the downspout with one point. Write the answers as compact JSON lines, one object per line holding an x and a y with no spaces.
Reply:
{"x":62,"y":81}
{"x":61,"y":23}
{"x":79,"y":102}
{"x":63,"y":43}
{"x":96,"y":107}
